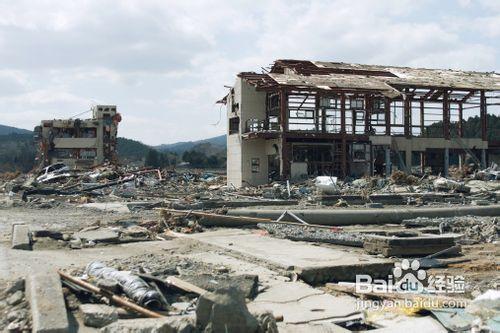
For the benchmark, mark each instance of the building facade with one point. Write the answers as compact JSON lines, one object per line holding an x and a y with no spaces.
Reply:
{"x":304,"y":118}
{"x":79,"y":143}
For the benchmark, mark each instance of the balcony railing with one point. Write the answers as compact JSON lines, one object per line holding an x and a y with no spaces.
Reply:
{"x":258,"y":125}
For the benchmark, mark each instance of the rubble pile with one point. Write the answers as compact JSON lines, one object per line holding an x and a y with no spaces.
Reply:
{"x":14,"y":308}
{"x":169,"y":286}
{"x":333,"y":235}
{"x":475,"y":229}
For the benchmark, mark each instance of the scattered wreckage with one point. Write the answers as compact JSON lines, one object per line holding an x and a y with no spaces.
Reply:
{"x":368,"y":225}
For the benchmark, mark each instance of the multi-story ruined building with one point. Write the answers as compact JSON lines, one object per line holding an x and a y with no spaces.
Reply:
{"x":324,"y":118}
{"x":79,"y":143}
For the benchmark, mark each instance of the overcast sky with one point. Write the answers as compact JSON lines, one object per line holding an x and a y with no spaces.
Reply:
{"x":165,"y":63}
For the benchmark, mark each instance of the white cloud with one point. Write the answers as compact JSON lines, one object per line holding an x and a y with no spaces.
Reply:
{"x":164,"y":63}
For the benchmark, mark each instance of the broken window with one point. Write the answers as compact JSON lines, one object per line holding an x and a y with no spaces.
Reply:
{"x":273,"y":103}
{"x":235,"y":107}
{"x":302,"y":115}
{"x":357,"y":103}
{"x":234,"y":125}
{"x":359,"y":152}
{"x":378,"y":104}
{"x":88,"y":154}
{"x":329,"y":103}
{"x":255,"y":162}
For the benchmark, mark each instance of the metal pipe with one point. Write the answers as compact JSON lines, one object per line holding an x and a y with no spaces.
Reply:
{"x":338,"y":217}
{"x":116,"y":299}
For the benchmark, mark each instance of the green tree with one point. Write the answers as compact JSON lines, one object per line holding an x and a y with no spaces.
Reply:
{"x":152,"y":159}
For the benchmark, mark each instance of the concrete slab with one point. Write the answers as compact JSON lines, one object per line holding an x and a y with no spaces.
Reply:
{"x":46,"y":299}
{"x":408,"y":246}
{"x":21,"y":237}
{"x":299,"y":303}
{"x":118,"y":207}
{"x":296,"y":301}
{"x":314,"y":264}
{"x":98,"y":235}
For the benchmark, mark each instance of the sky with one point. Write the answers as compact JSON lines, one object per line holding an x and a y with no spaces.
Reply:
{"x":165,"y":63}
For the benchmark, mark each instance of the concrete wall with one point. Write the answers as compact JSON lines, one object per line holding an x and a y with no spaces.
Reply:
{"x":254,"y":149}
{"x":234,"y":160}
{"x":252,"y":104}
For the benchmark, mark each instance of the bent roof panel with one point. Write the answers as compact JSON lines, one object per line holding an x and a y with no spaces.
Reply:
{"x":445,"y":78}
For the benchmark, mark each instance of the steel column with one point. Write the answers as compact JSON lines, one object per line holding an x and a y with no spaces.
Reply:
{"x":446,"y":116}
{"x":484,"y":116}
{"x":387,"y":109}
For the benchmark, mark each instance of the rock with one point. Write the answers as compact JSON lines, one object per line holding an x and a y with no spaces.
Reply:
{"x":136,"y":232}
{"x":179,"y":324}
{"x":16,"y":315}
{"x":75,"y":243}
{"x":107,"y":284}
{"x":13,"y":286}
{"x":181,"y":306}
{"x":98,"y":315}
{"x":267,"y":322}
{"x":14,"y":327}
{"x":224,"y":311}
{"x":15,"y":298}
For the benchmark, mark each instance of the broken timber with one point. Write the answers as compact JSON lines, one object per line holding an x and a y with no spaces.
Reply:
{"x":116,"y":299}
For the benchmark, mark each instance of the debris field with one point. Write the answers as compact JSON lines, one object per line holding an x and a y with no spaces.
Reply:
{"x":116,"y":249}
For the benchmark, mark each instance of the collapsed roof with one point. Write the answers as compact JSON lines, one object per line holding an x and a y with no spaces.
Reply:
{"x":386,"y":80}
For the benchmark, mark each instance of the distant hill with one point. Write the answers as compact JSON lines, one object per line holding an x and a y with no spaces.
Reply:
{"x":5,"y":130}
{"x":17,"y":150}
{"x":181,"y":147}
{"x":131,"y":150}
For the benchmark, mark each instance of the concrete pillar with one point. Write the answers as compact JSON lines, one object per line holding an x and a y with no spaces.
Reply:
{"x":408,"y":158}
{"x":422,"y":161}
{"x":446,"y":161}
{"x":483,"y":157}
{"x":387,"y":162}
{"x":461,"y":160}
{"x":372,"y":169}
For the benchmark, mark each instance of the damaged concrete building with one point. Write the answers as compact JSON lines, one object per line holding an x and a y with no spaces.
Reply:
{"x":307,"y":118}
{"x":79,"y":143}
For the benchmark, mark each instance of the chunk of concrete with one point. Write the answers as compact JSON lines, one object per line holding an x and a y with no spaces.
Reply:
{"x":14,"y":286}
{"x":48,"y":310}
{"x":225,"y":311}
{"x":314,"y":264}
{"x":98,"y":236}
{"x":178,"y":324}
{"x":407,"y":246}
{"x":21,"y":237}
{"x":109,"y":285}
{"x":98,"y":315}
{"x":15,"y":298}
